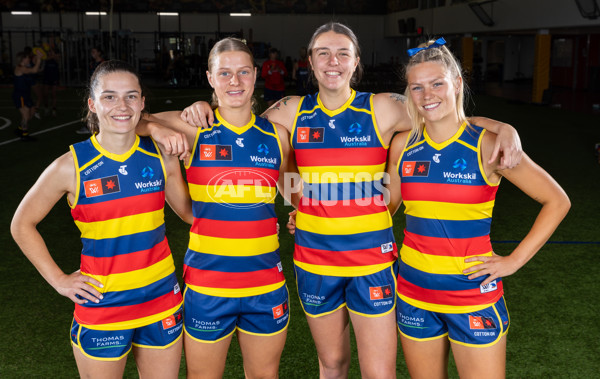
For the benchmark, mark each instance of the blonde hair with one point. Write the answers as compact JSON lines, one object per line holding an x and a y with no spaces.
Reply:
{"x":443,"y":56}
{"x":225,"y":45}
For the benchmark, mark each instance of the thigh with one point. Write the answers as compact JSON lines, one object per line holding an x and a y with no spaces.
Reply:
{"x":331,"y":333}
{"x":157,"y":347}
{"x":89,"y":367}
{"x":478,"y":362}
{"x":377,"y":344}
{"x":479,"y":341}
{"x":159,"y":363}
{"x":261,"y":354}
{"x":426,"y":358}
{"x":205,"y":360}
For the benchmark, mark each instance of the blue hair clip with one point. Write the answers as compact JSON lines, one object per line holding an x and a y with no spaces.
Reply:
{"x":439,"y":42}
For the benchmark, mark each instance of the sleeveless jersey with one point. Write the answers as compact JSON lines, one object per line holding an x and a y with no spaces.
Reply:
{"x":449,"y":204}
{"x":232,"y":177}
{"x":343,"y":227}
{"x":119,"y":209}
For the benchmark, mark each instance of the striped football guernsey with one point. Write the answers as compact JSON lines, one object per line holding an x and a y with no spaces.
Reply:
{"x":119,"y":209}
{"x":449,"y":204}
{"x":232,"y":176}
{"x":343,"y":227}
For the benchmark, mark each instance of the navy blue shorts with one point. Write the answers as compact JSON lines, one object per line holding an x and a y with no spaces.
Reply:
{"x":213,"y":318}
{"x":112,"y":345}
{"x":475,"y":329}
{"x":21,"y":100}
{"x":369,"y":295}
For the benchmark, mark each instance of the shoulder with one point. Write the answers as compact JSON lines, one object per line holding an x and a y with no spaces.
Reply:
{"x":388,"y":99}
{"x":66,"y":161}
{"x":62,"y":173}
{"x":283,"y":111}
{"x":391,"y":113}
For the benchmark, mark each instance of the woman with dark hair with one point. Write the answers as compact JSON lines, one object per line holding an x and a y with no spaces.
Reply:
{"x":126,"y":293}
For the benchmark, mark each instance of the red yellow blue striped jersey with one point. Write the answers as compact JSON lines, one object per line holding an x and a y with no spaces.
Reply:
{"x":343,"y":227}
{"x":119,"y":209}
{"x":232,"y":177}
{"x":449,"y":203}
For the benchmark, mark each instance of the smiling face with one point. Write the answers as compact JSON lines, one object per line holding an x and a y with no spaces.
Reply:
{"x":434,"y":92}
{"x":333,"y":59}
{"x":117,"y":101}
{"x":232,"y":75}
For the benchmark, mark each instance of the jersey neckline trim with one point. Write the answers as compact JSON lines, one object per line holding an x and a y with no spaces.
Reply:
{"x":440,"y":146}
{"x":116,"y":157}
{"x":341,"y":109}
{"x":239,"y":130}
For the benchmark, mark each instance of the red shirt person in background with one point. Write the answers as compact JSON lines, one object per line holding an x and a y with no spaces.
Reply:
{"x":274,"y":72}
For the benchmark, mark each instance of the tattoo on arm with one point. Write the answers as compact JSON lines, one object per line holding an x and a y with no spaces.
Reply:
{"x":284,"y":101}
{"x":398,"y":97}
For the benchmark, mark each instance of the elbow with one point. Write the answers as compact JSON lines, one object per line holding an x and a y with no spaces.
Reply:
{"x":17,"y":229}
{"x":565,"y":204}
{"x":560,"y":205}
{"x":14,"y":229}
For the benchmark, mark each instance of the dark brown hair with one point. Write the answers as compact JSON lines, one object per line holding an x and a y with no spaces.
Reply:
{"x":342,"y":29}
{"x":104,"y":68}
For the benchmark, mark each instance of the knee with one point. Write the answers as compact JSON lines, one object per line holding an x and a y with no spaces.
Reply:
{"x":380,"y":372}
{"x":334,"y":366}
{"x":262,"y":374}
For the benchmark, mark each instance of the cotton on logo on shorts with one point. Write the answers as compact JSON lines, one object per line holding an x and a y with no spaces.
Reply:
{"x":169,"y":322}
{"x":280,"y":310}
{"x":378,"y":293}
{"x":481,"y":322}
